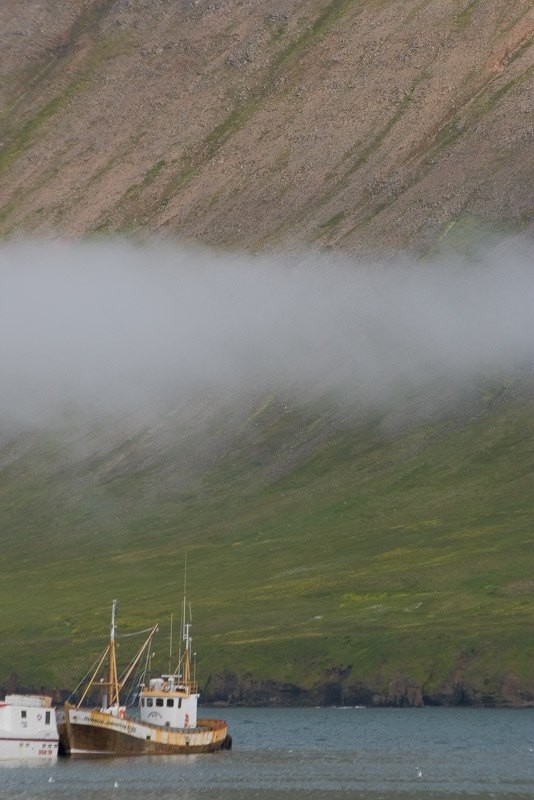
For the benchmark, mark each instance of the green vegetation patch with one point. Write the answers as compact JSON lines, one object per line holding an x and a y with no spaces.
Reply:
{"x":20,"y":139}
{"x":311,"y":542}
{"x":330,"y":223}
{"x":244,"y":110}
{"x":464,"y":18}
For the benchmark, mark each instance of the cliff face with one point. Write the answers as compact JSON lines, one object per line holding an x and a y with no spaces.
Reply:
{"x":354,"y":124}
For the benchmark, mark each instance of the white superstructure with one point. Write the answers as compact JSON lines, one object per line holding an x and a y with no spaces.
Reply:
{"x":169,"y":702}
{"x":27,"y":727}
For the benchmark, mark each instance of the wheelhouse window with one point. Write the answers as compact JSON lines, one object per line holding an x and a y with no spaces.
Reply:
{"x":23,"y":714}
{"x":159,"y":701}
{"x":47,"y":717}
{"x":170,"y":702}
{"x":149,"y":702}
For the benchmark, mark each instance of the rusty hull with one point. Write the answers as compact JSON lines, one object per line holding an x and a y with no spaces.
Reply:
{"x":86,"y":732}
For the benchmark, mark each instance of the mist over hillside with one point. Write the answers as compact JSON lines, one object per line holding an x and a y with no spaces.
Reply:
{"x":111,"y":326}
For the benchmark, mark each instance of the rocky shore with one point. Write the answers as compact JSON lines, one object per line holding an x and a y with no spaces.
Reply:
{"x":227,"y":689}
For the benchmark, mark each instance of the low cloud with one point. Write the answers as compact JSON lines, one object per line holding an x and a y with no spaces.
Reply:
{"x":110,"y":326}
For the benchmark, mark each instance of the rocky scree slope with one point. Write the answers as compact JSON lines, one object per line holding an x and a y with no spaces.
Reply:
{"x":353,"y":124}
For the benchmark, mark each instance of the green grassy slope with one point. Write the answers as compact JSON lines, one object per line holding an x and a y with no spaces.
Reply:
{"x":323,"y":546}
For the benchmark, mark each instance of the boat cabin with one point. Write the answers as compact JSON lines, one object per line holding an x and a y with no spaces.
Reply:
{"x":170,"y":702}
{"x":27,"y":727}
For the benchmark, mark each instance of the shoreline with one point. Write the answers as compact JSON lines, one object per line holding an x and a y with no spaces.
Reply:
{"x":226,"y":690}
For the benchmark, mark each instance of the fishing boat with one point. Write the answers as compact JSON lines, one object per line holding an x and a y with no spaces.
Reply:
{"x":165,"y":721}
{"x":27,"y":727}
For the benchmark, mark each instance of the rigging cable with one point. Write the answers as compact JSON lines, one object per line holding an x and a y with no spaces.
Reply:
{"x":85,"y":676}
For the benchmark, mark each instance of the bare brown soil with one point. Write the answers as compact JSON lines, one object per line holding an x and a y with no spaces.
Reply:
{"x":362,"y":125}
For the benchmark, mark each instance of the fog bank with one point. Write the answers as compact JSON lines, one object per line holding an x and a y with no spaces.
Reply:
{"x":108,"y":326}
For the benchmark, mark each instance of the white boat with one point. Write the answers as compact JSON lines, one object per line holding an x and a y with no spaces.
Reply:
{"x":27,"y":727}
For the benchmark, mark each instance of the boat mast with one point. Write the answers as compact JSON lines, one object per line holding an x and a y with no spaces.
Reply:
{"x":170,"y":646}
{"x":111,"y":681}
{"x":113,"y":676}
{"x":187,"y":640}
{"x":185,"y":634}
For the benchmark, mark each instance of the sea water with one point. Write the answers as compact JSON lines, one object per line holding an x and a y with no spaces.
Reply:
{"x":312,"y":753}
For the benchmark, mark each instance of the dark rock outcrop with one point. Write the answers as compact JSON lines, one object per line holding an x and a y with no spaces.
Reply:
{"x":228,"y":689}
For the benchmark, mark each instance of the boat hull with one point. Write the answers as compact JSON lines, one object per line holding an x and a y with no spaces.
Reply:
{"x":16,"y":749}
{"x":85,"y":732}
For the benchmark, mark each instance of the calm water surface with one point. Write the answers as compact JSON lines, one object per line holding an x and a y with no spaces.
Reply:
{"x":332,"y":754}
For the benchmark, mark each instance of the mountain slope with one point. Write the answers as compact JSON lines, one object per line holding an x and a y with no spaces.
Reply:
{"x":337,"y":552}
{"x":350,"y":124}
{"x":331,"y":558}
